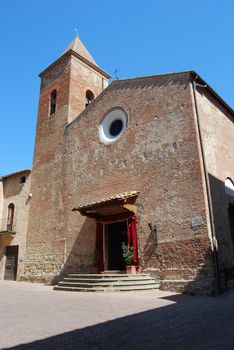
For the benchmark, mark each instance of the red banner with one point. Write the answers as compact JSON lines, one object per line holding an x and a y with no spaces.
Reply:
{"x":99,"y":244}
{"x":132,"y":237}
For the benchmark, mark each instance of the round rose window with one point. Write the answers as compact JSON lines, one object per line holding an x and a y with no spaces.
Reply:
{"x":113,"y":125}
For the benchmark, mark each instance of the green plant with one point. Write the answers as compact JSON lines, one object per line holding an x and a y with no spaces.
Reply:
{"x":128,"y":254}
{"x":96,"y":257}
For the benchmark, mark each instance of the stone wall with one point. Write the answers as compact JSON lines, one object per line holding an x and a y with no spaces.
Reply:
{"x":1,"y":202}
{"x":217,"y":129}
{"x":18,"y":194}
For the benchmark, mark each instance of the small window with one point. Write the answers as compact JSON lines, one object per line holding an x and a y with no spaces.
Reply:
{"x":10,"y":216}
{"x":89,"y":97}
{"x":53,"y":98}
{"x":23,"y":179}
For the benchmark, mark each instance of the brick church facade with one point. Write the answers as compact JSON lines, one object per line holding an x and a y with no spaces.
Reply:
{"x":146,"y":162}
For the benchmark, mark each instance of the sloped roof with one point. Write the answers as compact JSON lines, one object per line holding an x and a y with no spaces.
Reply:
{"x":158,"y":79}
{"x":77,"y":46}
{"x":7,"y":233}
{"x":106,"y":200}
{"x":16,"y":173}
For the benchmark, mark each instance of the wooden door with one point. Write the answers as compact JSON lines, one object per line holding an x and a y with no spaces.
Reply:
{"x":116,"y":235}
{"x":231,"y":220}
{"x":11,"y":262}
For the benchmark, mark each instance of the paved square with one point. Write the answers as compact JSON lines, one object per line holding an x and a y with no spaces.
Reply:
{"x":37,"y":317}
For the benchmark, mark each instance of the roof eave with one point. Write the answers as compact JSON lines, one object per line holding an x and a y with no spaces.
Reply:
{"x":8,"y":233}
{"x":16,"y":173}
{"x":119,"y":198}
{"x":212,"y":92}
{"x":72,"y":52}
{"x":193,"y":75}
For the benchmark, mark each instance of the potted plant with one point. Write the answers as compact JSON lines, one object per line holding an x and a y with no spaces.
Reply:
{"x":128,"y":255}
{"x":95,"y":262}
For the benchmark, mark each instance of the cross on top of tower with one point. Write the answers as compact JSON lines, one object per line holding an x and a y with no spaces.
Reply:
{"x":116,"y":73}
{"x":76,"y":31}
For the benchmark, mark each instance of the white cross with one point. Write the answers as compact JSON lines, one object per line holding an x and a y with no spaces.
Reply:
{"x":116,"y":71}
{"x":76,"y":30}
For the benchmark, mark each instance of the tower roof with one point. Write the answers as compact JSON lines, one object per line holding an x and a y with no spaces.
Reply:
{"x":77,"y":46}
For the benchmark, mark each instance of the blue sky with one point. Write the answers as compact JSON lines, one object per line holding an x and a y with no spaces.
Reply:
{"x":137,"y":37}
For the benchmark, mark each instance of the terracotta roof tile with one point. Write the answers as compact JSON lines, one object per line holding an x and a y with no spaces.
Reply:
{"x":16,"y":173}
{"x":77,"y":46}
{"x":117,"y":197}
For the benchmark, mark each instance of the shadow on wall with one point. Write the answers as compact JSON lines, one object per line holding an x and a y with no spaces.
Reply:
{"x":79,"y":259}
{"x":183,"y":266}
{"x":223,"y":211}
{"x":222,"y":198}
{"x":197,"y":324}
{"x":11,"y":187}
{"x":193,"y":260}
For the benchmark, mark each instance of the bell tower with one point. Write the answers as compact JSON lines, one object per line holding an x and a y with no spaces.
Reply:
{"x":75,"y":77}
{"x":68,"y":86}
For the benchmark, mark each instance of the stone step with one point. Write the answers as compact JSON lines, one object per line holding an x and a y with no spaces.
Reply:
{"x":111,"y":279}
{"x":102,"y":275}
{"x":103,"y":282}
{"x":108,"y":289}
{"x":106,"y":284}
{"x":114,"y":271}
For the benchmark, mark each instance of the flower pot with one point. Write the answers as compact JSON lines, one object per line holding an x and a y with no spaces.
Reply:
{"x":131,"y":269}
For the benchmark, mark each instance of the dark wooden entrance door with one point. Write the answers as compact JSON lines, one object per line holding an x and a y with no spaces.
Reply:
{"x":115,"y":236}
{"x":11,"y":262}
{"x":231,"y":219}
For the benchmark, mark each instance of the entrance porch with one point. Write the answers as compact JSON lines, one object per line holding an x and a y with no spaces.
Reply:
{"x":115,"y":230}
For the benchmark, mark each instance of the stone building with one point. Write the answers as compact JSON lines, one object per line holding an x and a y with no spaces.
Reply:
{"x":14,"y":203}
{"x":146,"y":162}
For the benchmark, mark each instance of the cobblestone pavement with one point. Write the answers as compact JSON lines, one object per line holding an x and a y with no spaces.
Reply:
{"x":34,"y":316}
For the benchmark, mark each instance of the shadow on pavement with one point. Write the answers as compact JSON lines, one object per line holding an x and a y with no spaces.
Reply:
{"x":200,"y":323}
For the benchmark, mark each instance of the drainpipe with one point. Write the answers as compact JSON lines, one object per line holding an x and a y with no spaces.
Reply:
{"x":208,"y":192}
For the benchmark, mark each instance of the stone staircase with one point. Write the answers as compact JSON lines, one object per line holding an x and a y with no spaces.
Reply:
{"x":106,"y":282}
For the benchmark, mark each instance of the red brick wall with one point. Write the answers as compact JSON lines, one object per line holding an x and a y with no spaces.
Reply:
{"x":46,"y":244}
{"x":170,"y":181}
{"x":217,"y":128}
{"x":158,"y":155}
{"x":83,"y":78}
